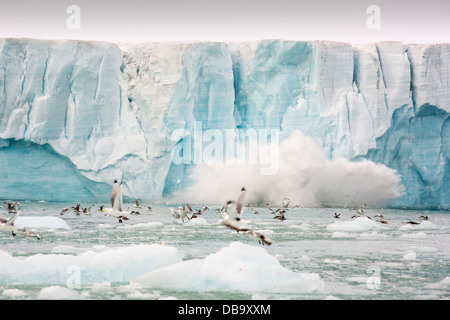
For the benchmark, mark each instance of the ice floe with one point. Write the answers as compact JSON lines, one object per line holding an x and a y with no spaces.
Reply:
{"x":235,"y":267}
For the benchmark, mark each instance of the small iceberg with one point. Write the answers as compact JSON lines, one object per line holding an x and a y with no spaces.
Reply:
{"x":238,"y":267}
{"x":95,"y":265}
{"x":356,"y":225}
{"x":45,"y":222}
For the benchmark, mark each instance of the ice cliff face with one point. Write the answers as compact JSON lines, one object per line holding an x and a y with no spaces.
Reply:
{"x":100,"y":112}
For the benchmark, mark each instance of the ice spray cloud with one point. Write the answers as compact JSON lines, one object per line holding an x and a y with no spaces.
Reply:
{"x":304,"y":175}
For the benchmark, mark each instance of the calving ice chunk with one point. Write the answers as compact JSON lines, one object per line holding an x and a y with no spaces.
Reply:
{"x":92,"y":111}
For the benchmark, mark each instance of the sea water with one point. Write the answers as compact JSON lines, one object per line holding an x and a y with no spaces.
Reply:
{"x":96,"y":257}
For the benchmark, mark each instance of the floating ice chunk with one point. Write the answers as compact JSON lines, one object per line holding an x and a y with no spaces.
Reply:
{"x":46,"y":222}
{"x":168,"y":298}
{"x":337,"y":261}
{"x":443,"y":284}
{"x":101,"y":286}
{"x":197,"y":221}
{"x":357,"y":224}
{"x":105,"y":226}
{"x":425,"y":225}
{"x":416,"y":235}
{"x":96,"y":265}
{"x":342,"y":234}
{"x":152,"y":224}
{"x":425,"y":249}
{"x":58,"y":293}
{"x":145,"y":296}
{"x":410,"y":255}
{"x":236,"y":267}
{"x":372,"y":235}
{"x":332,"y":298}
{"x":256,"y":296}
{"x":13,"y":293}
{"x":445,"y":281}
{"x":303,"y":227}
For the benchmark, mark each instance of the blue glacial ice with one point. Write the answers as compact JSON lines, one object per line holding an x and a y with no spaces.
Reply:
{"x":100,"y":111}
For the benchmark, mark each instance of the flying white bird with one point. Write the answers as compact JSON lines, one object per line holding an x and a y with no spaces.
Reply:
{"x":30,"y":233}
{"x":263,"y":239}
{"x":232,"y":221}
{"x":116,"y":203}
{"x":235,"y":209}
{"x":182,"y":212}
{"x":9,"y":226}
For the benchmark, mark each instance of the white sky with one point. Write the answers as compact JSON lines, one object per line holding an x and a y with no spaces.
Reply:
{"x":228,"y":20}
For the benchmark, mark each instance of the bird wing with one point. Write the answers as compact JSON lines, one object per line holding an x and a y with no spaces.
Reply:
{"x":240,"y":202}
{"x":230,"y":225}
{"x":117,"y":202}
{"x":11,"y":220}
{"x":115,"y":190}
{"x":175,"y":214}
{"x":263,"y":237}
{"x":188,"y":208}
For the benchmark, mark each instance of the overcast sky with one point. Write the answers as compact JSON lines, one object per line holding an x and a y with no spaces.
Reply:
{"x":228,"y":20}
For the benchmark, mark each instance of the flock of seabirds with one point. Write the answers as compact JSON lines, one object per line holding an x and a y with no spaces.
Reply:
{"x":231,"y":213}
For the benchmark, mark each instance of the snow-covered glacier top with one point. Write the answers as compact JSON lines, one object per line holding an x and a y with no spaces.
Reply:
{"x":76,"y":115}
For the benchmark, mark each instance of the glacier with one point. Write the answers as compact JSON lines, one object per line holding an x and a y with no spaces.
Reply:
{"x":75,"y":115}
